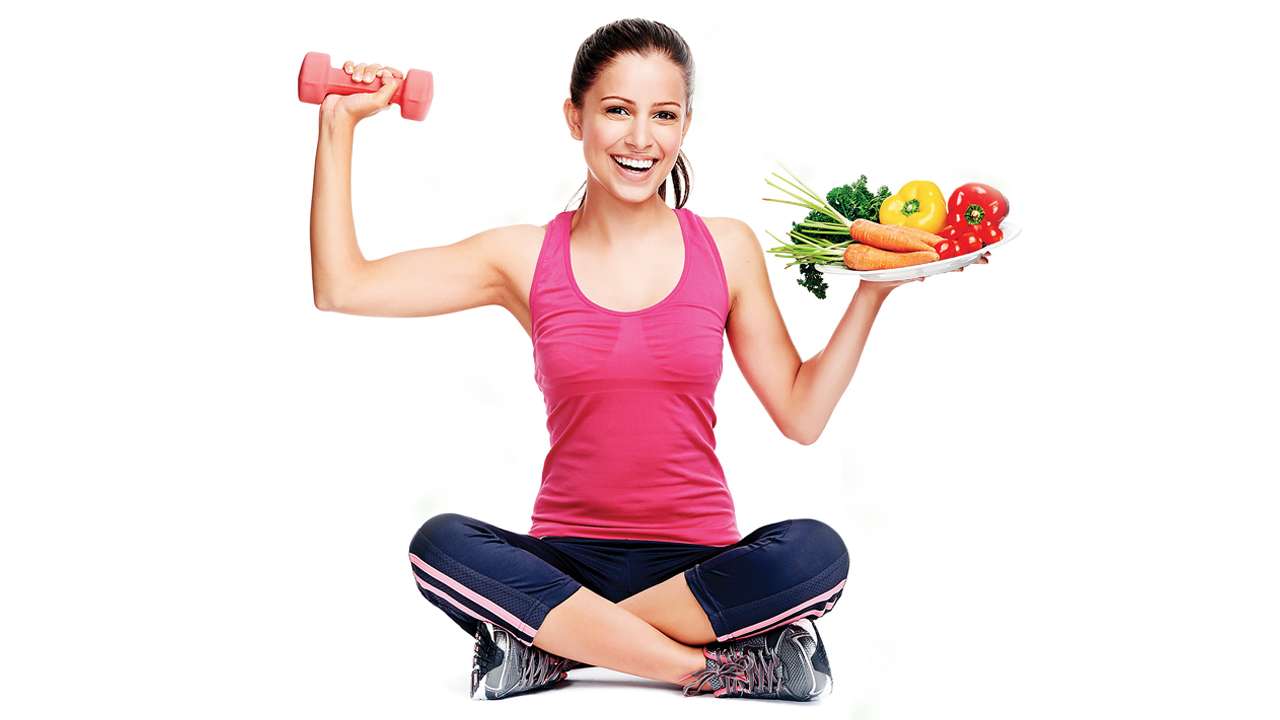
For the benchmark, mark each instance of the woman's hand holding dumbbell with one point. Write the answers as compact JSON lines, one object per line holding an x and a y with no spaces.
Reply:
{"x":356,"y":91}
{"x":359,"y":106}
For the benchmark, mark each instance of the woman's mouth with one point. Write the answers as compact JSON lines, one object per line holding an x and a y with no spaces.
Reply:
{"x":633,"y":173}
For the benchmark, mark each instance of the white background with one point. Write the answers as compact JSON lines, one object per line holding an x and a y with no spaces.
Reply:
{"x":1055,"y":472}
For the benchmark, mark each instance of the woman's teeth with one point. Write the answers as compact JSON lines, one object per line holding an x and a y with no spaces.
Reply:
{"x":635,"y":167}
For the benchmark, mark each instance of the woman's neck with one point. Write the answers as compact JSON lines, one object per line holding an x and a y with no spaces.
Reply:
{"x":614,"y":223}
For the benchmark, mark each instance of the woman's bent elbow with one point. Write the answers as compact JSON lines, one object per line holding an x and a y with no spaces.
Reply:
{"x":325,"y":302}
{"x":801,"y":437}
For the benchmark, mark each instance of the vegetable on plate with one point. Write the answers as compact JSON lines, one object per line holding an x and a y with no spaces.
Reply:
{"x":974,"y":213}
{"x":853,"y":227}
{"x":919,"y":204}
{"x":894,"y":238}
{"x":866,"y":257}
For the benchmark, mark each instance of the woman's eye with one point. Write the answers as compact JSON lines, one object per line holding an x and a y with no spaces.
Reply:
{"x":661,"y":112}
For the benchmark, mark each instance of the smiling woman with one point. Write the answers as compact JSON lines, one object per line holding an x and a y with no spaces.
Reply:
{"x":634,"y":560}
{"x":647,"y":121}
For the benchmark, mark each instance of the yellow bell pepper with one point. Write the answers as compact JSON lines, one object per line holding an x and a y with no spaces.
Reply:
{"x":919,"y":204}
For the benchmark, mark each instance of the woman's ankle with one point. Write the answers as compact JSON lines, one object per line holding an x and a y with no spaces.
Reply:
{"x":691,"y":671}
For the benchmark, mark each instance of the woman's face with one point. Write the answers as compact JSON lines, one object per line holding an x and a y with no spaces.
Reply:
{"x":636,"y":109}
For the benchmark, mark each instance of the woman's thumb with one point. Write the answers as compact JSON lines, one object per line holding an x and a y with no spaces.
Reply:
{"x":384,"y":93}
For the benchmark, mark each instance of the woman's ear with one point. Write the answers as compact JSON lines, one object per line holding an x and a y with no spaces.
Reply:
{"x":573,"y":118}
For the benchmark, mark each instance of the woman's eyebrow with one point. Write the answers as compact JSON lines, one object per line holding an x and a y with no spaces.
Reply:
{"x":619,"y":97}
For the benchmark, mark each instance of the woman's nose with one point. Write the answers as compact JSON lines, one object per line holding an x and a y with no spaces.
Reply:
{"x":639,"y":136}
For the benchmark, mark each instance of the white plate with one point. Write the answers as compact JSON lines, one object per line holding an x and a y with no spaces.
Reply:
{"x":910,"y":272}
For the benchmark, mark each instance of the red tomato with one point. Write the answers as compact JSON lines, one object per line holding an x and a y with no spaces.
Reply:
{"x":949,"y":232}
{"x":947,"y":248}
{"x":969,"y":241}
{"x":990,"y":233}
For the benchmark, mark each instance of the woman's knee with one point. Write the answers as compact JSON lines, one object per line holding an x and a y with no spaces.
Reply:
{"x":443,"y":531}
{"x":819,"y":538}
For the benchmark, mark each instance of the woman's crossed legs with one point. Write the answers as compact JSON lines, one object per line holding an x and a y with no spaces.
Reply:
{"x":640,"y":607}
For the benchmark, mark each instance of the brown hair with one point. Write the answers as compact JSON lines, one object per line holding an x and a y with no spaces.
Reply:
{"x":641,"y":37}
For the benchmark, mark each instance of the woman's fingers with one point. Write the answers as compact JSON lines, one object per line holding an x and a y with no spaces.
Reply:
{"x":366,"y":72}
{"x":387,"y":77}
{"x":362,"y":72}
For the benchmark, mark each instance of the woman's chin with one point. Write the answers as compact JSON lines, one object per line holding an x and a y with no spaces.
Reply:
{"x":631,"y":192}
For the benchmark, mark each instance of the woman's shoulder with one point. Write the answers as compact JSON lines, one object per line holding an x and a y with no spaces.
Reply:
{"x":739,"y":250}
{"x":731,"y":235}
{"x":524,"y":242}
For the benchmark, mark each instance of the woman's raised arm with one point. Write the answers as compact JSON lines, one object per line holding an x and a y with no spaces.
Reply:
{"x":427,"y":281}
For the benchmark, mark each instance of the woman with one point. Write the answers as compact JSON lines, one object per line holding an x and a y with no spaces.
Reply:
{"x":634,"y":560}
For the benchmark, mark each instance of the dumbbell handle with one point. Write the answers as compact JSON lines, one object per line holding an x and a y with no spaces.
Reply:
{"x":340,"y":83}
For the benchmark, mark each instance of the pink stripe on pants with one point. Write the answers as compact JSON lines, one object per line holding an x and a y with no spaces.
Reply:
{"x":786,"y":616}
{"x":473,"y":596}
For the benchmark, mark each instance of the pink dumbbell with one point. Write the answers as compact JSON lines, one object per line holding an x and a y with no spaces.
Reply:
{"x":317,"y":78}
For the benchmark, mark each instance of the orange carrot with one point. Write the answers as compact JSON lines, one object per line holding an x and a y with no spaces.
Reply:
{"x":894,"y":238}
{"x":865,"y":257}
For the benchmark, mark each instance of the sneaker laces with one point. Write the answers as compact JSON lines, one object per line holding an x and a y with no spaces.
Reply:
{"x":540,"y":667}
{"x":744,"y":670}
{"x":759,"y":672}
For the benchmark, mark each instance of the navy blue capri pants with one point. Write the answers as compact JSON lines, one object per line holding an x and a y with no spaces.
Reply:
{"x":776,"y":575}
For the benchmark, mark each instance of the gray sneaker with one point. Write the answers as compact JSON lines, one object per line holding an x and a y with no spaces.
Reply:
{"x":788,"y":663}
{"x":503,"y":666}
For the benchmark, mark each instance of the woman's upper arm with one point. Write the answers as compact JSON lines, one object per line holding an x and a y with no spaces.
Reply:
{"x":757,"y":335}
{"x":433,"y":280}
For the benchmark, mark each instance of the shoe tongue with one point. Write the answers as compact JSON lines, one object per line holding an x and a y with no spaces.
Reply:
{"x":760,"y":641}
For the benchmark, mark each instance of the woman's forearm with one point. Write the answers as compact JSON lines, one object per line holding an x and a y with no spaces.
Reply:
{"x":822,"y":379}
{"x":335,"y":256}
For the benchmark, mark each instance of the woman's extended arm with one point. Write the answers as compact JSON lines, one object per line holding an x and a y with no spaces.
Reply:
{"x":335,"y":256}
{"x":413,"y":283}
{"x":799,"y":395}
{"x":823,"y":378}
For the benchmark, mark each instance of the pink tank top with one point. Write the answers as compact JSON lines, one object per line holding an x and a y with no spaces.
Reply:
{"x":629,"y":399}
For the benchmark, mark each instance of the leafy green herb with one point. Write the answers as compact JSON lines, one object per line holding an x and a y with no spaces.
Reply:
{"x":855,"y":201}
{"x":812,"y":280}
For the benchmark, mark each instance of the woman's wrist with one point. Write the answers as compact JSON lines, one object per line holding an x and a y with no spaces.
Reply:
{"x":335,"y":121}
{"x":875,"y":290}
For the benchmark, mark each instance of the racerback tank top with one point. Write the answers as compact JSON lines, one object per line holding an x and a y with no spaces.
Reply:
{"x":629,"y":398}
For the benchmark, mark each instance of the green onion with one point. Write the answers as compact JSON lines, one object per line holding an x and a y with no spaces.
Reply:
{"x":822,"y":237}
